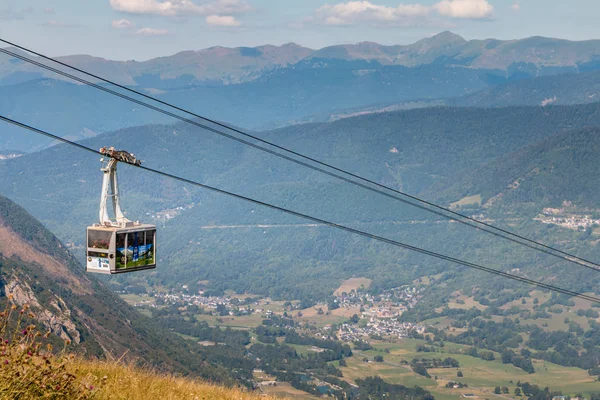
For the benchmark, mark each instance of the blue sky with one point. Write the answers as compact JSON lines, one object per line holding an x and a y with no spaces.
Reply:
{"x":143,"y":29}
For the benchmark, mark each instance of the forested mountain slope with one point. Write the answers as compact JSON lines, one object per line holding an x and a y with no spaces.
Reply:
{"x":578,"y":88}
{"x":36,"y":269}
{"x":311,"y":89}
{"x":410,"y":150}
{"x":200,"y":232}
{"x":557,"y":169}
{"x":75,"y":111}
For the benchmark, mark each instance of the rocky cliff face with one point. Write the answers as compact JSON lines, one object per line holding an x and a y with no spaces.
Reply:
{"x":56,"y":318}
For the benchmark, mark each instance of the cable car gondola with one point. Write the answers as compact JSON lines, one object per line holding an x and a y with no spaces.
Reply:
{"x":118,"y":245}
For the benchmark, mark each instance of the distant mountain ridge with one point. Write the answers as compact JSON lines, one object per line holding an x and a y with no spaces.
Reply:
{"x":221,"y":65}
{"x":268,"y":87}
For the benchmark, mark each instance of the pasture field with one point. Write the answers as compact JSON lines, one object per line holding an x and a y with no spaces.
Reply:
{"x":286,"y":391}
{"x":337,"y":316}
{"x":481,"y":376}
{"x":241,"y":322}
{"x":426,"y":280}
{"x":303,"y":349}
{"x":270,"y":305}
{"x":439,"y":322}
{"x":557,"y":322}
{"x":465,"y":201}
{"x":554,"y":323}
{"x":466,"y":303}
{"x":353,"y":283}
{"x":132,"y":299}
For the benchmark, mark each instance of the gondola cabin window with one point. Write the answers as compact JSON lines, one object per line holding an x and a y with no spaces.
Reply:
{"x":135,"y":249}
{"x":99,"y":239}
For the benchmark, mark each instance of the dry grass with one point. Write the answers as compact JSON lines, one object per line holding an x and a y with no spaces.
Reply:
{"x":285,"y":390}
{"x":29,"y":369}
{"x":117,"y":381}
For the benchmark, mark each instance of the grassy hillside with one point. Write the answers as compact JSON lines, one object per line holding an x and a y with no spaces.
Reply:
{"x":481,"y":376}
{"x":134,"y":383}
{"x":32,"y":369}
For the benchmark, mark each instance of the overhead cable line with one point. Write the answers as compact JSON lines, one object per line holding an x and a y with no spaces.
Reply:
{"x":323,"y":221}
{"x":438,"y":210}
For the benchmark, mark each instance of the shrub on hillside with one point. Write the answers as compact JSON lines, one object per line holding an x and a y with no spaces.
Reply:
{"x":28,"y":368}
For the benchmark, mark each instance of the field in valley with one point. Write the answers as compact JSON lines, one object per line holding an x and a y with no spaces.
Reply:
{"x":480,"y":375}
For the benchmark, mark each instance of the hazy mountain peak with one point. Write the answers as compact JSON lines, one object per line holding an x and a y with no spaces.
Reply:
{"x":291,"y":44}
{"x":443,"y":39}
{"x":368,"y":44}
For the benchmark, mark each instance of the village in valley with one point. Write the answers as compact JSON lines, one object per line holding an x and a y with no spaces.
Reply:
{"x":356,"y":314}
{"x":568,"y":216}
{"x":379,"y":314}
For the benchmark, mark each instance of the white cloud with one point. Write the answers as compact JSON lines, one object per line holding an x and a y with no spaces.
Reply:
{"x":49,"y":10}
{"x":516,"y":7}
{"x":122,"y":24}
{"x":225,"y":20}
{"x":181,"y":7}
{"x":356,"y":11}
{"x":472,"y":9}
{"x":151,"y":32}
{"x":352,"y":12}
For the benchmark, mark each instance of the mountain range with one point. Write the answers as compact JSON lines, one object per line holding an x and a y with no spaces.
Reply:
{"x":221,"y":65}
{"x":268,"y":86}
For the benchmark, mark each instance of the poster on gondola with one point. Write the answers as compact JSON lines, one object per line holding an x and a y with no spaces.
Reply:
{"x":140,"y":249}
{"x":98,"y":262}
